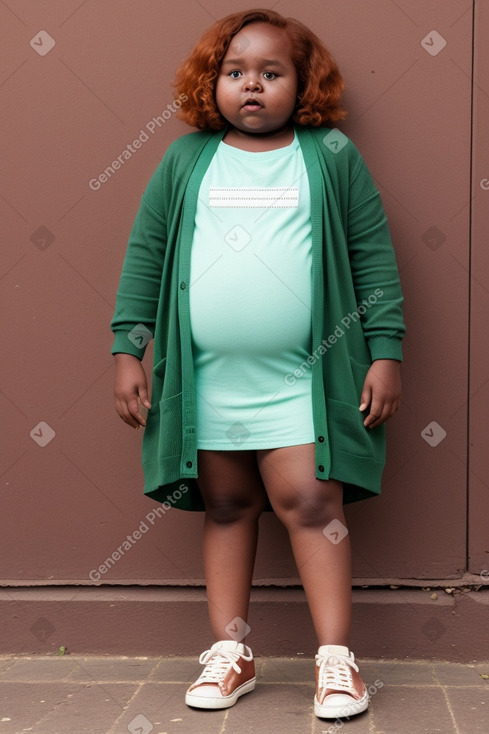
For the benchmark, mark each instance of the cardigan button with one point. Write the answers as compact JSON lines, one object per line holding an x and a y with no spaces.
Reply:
{"x":183,"y":285}
{"x":321,"y":439}
{"x":321,"y":467}
{"x":189,"y":464}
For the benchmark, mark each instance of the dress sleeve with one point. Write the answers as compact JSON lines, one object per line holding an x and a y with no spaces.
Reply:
{"x":133,"y":322}
{"x":373,"y":266}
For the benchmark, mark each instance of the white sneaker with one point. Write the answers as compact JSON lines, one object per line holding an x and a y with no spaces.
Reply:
{"x":340,"y":691}
{"x":229,"y":673}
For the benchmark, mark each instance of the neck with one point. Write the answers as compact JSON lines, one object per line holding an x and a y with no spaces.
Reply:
{"x":257,"y":142}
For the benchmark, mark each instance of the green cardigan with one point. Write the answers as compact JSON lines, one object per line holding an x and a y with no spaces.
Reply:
{"x":357,"y":312}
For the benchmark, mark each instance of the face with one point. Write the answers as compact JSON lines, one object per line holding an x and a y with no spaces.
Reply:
{"x":256,"y":88}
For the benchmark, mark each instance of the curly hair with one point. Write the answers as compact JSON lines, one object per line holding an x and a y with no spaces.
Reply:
{"x":320,"y":84}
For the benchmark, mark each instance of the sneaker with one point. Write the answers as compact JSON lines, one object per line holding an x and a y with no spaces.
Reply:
{"x":340,"y":691}
{"x":229,"y":673}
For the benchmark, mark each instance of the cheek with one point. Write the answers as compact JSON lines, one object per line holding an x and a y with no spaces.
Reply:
{"x":221,"y":94}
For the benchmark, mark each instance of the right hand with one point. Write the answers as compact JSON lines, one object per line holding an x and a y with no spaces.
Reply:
{"x":130,"y":387}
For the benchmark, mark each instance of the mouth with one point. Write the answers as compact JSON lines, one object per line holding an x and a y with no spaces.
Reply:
{"x":252,"y":105}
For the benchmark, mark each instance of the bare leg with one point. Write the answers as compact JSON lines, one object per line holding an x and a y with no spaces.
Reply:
{"x":234,"y":497}
{"x":306,"y":505}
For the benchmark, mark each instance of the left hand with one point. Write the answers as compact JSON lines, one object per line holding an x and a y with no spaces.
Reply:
{"x":381,"y":392}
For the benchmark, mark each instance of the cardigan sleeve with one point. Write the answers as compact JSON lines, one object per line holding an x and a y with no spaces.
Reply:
{"x":134,"y":319}
{"x":373,"y":266}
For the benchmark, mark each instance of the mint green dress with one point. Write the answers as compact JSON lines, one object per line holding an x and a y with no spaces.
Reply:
{"x":250,"y":301}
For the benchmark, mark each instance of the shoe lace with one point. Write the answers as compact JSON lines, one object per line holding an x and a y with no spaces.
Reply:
{"x":217,"y":664}
{"x":335,"y":672}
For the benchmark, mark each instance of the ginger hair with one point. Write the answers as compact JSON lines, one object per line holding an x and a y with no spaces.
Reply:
{"x":320,"y":84}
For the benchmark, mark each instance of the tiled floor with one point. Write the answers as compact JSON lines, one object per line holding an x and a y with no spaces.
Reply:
{"x":117,"y":695}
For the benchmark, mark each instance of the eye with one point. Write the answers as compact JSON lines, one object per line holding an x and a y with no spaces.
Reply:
{"x":269,"y":75}
{"x":234,"y":74}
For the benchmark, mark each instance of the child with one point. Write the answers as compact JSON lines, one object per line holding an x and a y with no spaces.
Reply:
{"x":261,"y":261}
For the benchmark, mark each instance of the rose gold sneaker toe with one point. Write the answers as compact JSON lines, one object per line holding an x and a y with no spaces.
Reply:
{"x":340,"y":691}
{"x":228,"y":674}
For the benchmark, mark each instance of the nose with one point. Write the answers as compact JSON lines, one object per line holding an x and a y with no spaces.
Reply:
{"x":252,"y":84}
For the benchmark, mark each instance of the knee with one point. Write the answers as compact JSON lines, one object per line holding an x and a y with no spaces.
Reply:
{"x":308,"y":511}
{"x":225,"y":511}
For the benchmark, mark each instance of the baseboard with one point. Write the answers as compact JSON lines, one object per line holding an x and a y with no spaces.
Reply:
{"x":403,"y":623}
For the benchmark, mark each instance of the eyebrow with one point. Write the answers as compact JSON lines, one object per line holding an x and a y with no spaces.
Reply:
{"x":264,"y":62}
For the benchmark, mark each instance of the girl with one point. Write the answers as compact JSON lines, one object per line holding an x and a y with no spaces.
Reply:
{"x":261,"y":261}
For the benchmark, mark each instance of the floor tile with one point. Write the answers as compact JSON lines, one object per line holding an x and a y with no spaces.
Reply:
{"x":113,"y":669}
{"x":470,"y":708}
{"x":50,"y":707}
{"x":282,"y":670}
{"x":162,"y":706}
{"x":273,"y":709}
{"x":176,"y":670}
{"x":359,"y":724}
{"x":39,"y":669}
{"x":455,"y":674}
{"x":116,"y":695}
{"x":395,"y":672}
{"x":6,"y":663}
{"x":416,"y":710}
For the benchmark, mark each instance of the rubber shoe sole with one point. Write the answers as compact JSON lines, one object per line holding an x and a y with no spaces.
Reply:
{"x":340,"y":711}
{"x":221,"y":702}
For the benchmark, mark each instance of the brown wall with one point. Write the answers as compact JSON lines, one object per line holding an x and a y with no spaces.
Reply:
{"x":68,"y":504}
{"x":478,"y":508}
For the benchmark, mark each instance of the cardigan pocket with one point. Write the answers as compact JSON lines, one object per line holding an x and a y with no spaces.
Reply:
{"x":348,"y":435}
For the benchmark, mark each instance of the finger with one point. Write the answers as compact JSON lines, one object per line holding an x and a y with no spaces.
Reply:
{"x":380,"y":415}
{"x":365,"y":398}
{"x":143,"y":396}
{"x":122,"y":407}
{"x":133,"y":407}
{"x":373,"y":421}
{"x":127,"y":419}
{"x":374,"y":417}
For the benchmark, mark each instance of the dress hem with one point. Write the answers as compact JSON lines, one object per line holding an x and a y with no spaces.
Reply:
{"x":254,"y":446}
